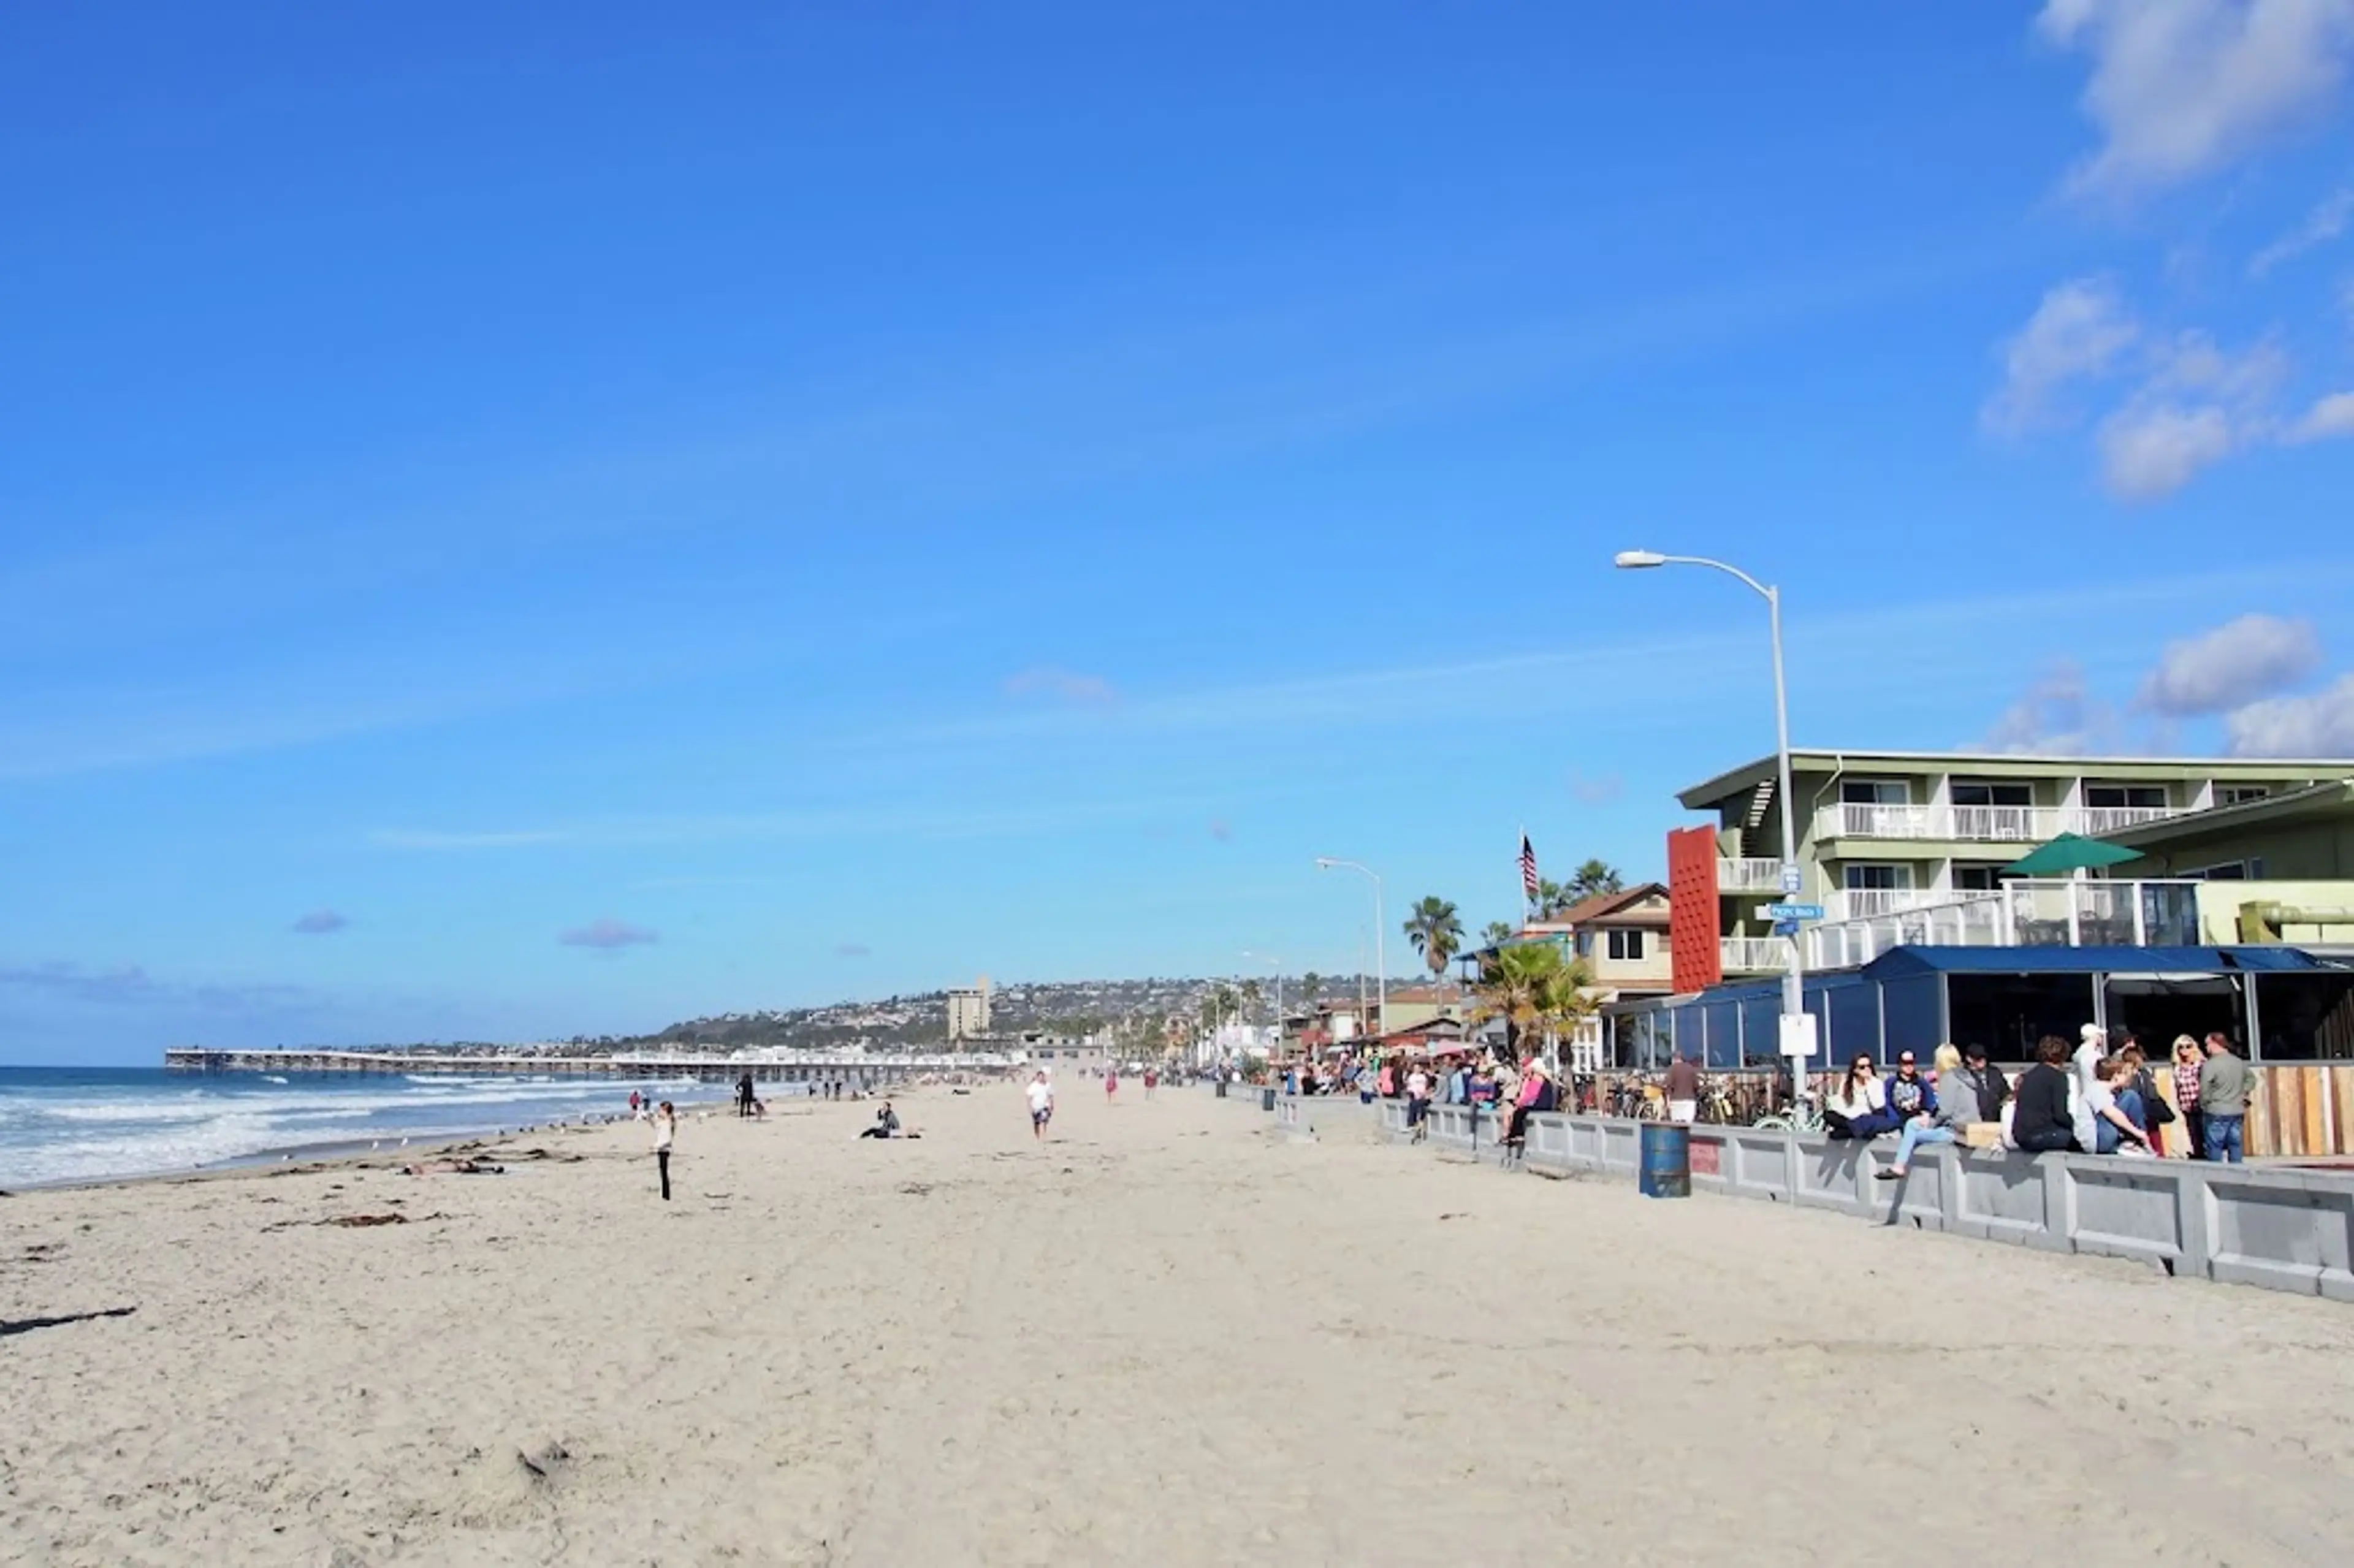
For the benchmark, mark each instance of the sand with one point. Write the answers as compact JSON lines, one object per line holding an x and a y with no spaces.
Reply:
{"x":1162,"y":1338}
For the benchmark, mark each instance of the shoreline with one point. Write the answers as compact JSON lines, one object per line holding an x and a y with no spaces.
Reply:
{"x":340,"y":1153}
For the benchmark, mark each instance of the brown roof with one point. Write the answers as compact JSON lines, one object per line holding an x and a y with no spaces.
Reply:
{"x":1602,"y":906}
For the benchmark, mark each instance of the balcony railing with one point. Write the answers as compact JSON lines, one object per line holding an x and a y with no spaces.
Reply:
{"x":1862,"y":903}
{"x":2024,"y":914}
{"x":1748,"y":875}
{"x":1755,"y":955}
{"x":1981,"y":824}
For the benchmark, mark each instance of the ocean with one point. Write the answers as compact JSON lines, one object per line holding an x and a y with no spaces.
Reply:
{"x":87,"y":1124}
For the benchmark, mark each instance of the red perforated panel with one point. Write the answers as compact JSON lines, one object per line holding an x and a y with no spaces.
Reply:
{"x":1693,"y":914}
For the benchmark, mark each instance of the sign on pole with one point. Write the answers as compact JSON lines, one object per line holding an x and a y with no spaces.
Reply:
{"x":1792,"y":879}
{"x":1797,"y":1034}
{"x":1793,"y":911}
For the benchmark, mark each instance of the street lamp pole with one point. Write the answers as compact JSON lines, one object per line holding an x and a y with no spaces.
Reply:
{"x":1381,"y":963}
{"x":1793,"y":977}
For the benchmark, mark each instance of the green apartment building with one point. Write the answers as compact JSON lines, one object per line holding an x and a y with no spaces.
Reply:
{"x":1884,"y":832}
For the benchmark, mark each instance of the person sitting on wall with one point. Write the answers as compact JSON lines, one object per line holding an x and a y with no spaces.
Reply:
{"x":2040,"y":1118}
{"x":1908,"y":1092}
{"x":2109,"y":1115}
{"x":1537,"y":1094}
{"x":1953,"y":1105}
{"x":1857,"y":1104}
{"x":1984,"y":1080}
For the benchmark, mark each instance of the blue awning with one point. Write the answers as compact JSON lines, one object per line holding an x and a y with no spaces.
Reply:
{"x":2059,"y":961}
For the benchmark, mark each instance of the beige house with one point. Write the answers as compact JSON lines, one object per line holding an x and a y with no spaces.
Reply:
{"x":1623,"y":939}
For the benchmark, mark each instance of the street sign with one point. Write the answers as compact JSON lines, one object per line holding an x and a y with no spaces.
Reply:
{"x":1786,"y":927}
{"x":1792,"y":879}
{"x":1793,"y":911}
{"x":1797,"y":1034}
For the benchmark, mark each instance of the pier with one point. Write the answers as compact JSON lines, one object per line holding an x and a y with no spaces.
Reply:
{"x":862,"y":1071}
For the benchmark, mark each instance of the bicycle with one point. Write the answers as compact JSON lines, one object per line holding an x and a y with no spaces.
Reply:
{"x":1803,"y":1117}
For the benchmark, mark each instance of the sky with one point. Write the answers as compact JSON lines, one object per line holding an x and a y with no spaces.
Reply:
{"x":557,"y":519}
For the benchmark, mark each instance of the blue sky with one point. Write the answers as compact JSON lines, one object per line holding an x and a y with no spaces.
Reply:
{"x":570,"y":520}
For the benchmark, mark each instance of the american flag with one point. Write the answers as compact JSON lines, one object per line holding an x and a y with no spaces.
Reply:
{"x":1528,"y":867}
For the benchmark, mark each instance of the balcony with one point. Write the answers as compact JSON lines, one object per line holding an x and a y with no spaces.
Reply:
{"x":2024,"y":914}
{"x":1754,"y":955}
{"x":1748,"y":875}
{"x":2024,"y":825}
{"x":1862,"y":903}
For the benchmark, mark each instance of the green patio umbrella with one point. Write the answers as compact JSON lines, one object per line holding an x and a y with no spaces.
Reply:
{"x":2070,"y":853}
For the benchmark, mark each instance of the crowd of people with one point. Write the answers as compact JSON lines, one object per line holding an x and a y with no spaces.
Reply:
{"x":2103,"y":1096}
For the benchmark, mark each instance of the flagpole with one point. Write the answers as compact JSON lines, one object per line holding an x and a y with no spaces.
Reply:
{"x":1524,"y":875}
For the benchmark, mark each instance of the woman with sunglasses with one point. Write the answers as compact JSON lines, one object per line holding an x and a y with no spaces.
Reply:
{"x":1858,"y":1104}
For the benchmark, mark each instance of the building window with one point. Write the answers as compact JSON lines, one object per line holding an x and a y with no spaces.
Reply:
{"x":2239,"y":794}
{"x":2251,"y":870}
{"x":1874,"y":792}
{"x":1976,"y":794}
{"x":1627,"y":945}
{"x":1876,"y":877}
{"x":1974,"y":879}
{"x":2126,"y":797}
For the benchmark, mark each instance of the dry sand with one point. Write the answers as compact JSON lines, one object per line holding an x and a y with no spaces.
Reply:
{"x":1162,"y":1338}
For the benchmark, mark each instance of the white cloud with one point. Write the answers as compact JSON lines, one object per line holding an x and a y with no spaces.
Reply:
{"x":2329,"y":419}
{"x":608,"y":935}
{"x":2078,"y":333}
{"x":2182,"y":88}
{"x":2149,"y":450}
{"x":2232,"y":666}
{"x":2056,"y":715}
{"x":2322,"y":224}
{"x":2185,"y":404}
{"x":1050,"y":680}
{"x":2321,"y":725}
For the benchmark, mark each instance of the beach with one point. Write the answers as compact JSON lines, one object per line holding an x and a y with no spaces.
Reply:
{"x":1163,"y":1337}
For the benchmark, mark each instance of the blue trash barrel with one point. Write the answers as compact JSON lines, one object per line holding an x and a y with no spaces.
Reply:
{"x":1666,"y":1161}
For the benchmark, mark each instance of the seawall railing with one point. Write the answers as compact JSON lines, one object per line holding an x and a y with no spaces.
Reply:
{"x":2276,"y":1227}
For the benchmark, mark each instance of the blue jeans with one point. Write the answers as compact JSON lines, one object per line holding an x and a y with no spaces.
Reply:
{"x":2107,"y":1137}
{"x":1917,"y":1133}
{"x":2224,"y":1138}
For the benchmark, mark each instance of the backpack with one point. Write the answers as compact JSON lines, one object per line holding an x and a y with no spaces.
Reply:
{"x":2153,"y":1104}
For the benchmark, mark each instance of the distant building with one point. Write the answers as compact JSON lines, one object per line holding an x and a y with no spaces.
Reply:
{"x":968,"y":1011}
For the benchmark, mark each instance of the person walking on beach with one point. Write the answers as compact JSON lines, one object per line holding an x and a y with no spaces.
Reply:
{"x":1041,"y":1106}
{"x":743,"y":1094}
{"x":666,"y":1134}
{"x":1111,"y":1085}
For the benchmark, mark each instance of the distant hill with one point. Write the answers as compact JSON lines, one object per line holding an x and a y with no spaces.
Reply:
{"x":1059,"y":1007}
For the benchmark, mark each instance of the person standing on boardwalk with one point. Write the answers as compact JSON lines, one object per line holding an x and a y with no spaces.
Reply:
{"x":1683,"y":1091}
{"x":2225,"y":1086}
{"x":1041,"y":1106}
{"x":2186,"y":1098}
{"x":666,"y":1134}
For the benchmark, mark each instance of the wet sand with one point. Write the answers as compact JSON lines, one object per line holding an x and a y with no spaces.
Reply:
{"x":1162,"y":1338}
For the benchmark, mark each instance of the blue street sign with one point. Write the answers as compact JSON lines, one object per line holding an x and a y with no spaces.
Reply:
{"x":1786,"y":927}
{"x":1792,"y":879}
{"x":1793,"y":911}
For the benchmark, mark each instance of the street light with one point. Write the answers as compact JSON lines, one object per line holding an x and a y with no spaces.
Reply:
{"x":1381,"y":963}
{"x":1794,"y":978}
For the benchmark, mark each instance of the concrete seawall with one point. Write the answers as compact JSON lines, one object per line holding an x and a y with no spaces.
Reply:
{"x":2280,"y":1229}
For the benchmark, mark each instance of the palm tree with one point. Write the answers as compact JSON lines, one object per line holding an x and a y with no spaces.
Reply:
{"x":1513,"y":985}
{"x":1498,"y":933}
{"x":1250,"y":996}
{"x":1311,"y":986}
{"x":1436,"y":932}
{"x":1533,"y":988}
{"x":1593,"y":879}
